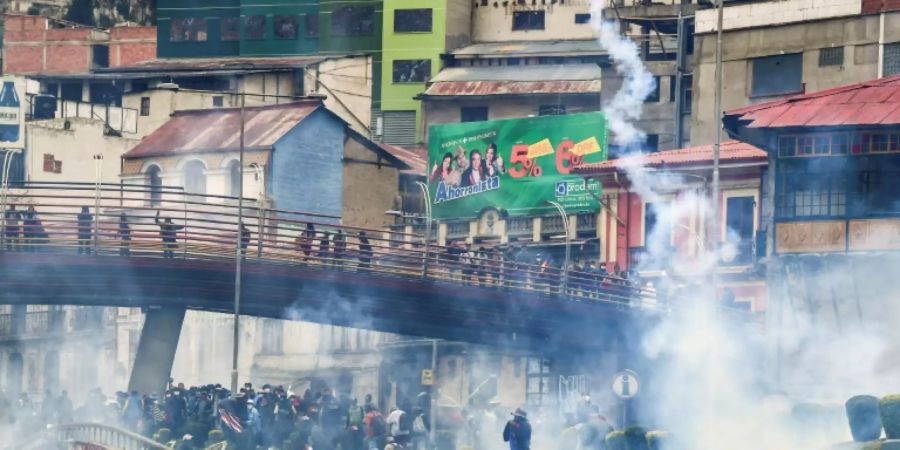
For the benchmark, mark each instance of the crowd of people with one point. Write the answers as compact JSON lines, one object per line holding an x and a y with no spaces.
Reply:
{"x":512,"y":265}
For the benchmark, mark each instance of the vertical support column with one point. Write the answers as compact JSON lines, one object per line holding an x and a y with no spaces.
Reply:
{"x":156,"y":350}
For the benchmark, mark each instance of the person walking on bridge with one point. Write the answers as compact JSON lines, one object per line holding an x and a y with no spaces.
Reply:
{"x":167,"y":231}
{"x":245,"y":240}
{"x":11,"y":227}
{"x":124,"y":234}
{"x":31,"y":228}
{"x":85,"y":220}
{"x":365,"y":250}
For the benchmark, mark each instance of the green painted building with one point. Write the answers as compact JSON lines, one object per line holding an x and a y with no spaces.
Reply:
{"x":416,"y":34}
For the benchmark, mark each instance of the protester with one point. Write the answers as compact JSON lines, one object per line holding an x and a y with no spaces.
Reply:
{"x":32,"y":230}
{"x":11,"y":227}
{"x":518,"y":431}
{"x":245,"y":239}
{"x":365,"y":250}
{"x":124,"y":234}
{"x":85,"y":220}
{"x":167,"y":232}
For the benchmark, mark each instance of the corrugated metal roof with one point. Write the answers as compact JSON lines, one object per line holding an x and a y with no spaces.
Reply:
{"x":208,"y":64}
{"x":214,"y":130}
{"x":415,"y":158}
{"x":535,"y":48}
{"x":475,"y":88}
{"x":550,"y":72}
{"x":729,"y":152}
{"x":875,"y":102}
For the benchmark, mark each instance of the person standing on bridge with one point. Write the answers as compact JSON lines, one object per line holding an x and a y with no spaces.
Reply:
{"x":324,"y":248}
{"x":167,"y":231}
{"x":124,"y":234}
{"x":365,"y":250}
{"x":340,"y":247}
{"x":85,"y":220}
{"x":11,"y":227}
{"x":245,"y":239}
{"x":31,"y":228}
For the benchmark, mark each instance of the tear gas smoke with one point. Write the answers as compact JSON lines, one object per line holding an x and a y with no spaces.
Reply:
{"x":626,"y":106}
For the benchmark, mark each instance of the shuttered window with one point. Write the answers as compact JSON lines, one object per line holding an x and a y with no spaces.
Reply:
{"x":399,"y":127}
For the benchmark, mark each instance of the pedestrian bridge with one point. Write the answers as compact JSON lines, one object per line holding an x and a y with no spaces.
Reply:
{"x":293,"y":265}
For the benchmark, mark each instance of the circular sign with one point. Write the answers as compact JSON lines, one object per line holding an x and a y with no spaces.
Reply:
{"x":626,"y":384}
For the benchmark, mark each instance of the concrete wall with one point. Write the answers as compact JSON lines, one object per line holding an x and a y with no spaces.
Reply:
{"x":347,"y":82}
{"x":760,"y":14}
{"x":369,"y":188}
{"x":859,"y":35}
{"x":493,"y":23}
{"x":306,"y":168}
{"x":74,"y":148}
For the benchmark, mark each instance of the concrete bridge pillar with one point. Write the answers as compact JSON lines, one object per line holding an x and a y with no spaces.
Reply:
{"x":156,"y":350}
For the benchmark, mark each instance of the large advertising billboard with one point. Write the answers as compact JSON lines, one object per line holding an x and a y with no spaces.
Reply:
{"x":12,"y":113}
{"x":514,"y":165}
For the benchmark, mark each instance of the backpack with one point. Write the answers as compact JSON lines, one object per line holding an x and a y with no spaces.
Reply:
{"x":378,"y":425}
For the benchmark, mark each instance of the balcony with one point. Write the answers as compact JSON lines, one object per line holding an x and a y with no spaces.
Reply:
{"x":519,"y":225}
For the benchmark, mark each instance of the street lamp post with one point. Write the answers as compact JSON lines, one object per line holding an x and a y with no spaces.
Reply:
{"x":565,"y":220}
{"x":427,"y":194}
{"x":237,"y":257}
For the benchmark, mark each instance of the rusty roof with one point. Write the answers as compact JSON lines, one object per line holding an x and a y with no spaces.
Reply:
{"x":474,"y":88}
{"x":875,"y":102}
{"x":218,"y":130}
{"x":415,"y":158}
{"x":530,"y":48}
{"x":214,"y":64}
{"x":729,"y":152}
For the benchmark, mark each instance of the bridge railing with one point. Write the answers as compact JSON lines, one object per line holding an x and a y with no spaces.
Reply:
{"x":120,"y":221}
{"x":95,"y":435}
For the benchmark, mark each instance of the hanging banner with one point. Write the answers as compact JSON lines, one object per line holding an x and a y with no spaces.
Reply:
{"x":12,"y":113}
{"x":514,"y":165}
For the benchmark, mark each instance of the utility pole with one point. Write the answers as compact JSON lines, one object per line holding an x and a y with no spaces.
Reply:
{"x":237,"y":259}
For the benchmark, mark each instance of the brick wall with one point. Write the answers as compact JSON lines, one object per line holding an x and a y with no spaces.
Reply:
{"x":877,"y":6}
{"x":31,"y":45}
{"x":131,"y":45}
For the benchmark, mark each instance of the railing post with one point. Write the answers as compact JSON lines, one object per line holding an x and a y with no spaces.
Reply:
{"x":98,"y":160}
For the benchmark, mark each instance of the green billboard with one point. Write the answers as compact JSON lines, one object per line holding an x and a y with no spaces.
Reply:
{"x":514,"y":165}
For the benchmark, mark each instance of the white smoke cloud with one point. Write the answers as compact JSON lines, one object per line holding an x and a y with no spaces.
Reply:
{"x":627,"y":105}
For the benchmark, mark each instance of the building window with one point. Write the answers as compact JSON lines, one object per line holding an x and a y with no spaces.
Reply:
{"x":528,"y":20}
{"x":195,"y":178}
{"x":285,"y":27}
{"x":807,"y":190}
{"x":412,"y":20}
{"x":653,"y":97}
{"x":473,"y":114}
{"x":891,"y":59}
{"x":353,"y":21}
{"x":312,"y":25}
{"x":218,"y":101}
{"x":652,"y":143}
{"x":145,"y":106}
{"x":813,"y":145}
{"x":255,"y":28}
{"x":231,"y":29}
{"x":582,"y":18}
{"x":877,"y":189}
{"x":155,"y":182}
{"x":777,"y":75}
{"x":652,"y":228}
{"x":551,"y":110}
{"x":412,"y":70}
{"x":537,"y":381}
{"x":833,"y":56}
{"x":739,"y":220}
{"x":188,"y":30}
{"x":234,"y":178}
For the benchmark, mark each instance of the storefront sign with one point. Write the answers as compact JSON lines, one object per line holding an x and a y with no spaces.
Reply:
{"x":516,"y":165}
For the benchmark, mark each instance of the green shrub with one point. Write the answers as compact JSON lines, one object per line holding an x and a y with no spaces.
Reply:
{"x":616,"y":441}
{"x":889,"y":407}
{"x":635,"y":438}
{"x":864,"y":418}
{"x":214,"y":437}
{"x":656,"y":440}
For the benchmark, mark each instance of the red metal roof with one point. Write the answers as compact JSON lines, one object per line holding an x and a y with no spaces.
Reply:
{"x":227,"y":63}
{"x":875,"y":102}
{"x":471,"y":88}
{"x":729,"y":152}
{"x":416,"y":159}
{"x":213,"y":130}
